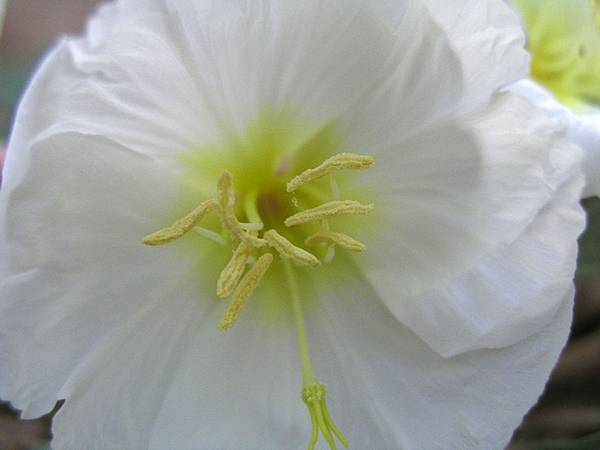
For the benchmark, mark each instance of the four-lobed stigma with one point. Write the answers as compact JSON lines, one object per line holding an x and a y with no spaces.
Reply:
{"x":254,"y":254}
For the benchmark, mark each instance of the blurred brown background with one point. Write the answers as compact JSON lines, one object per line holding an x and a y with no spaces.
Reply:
{"x":566,"y":418}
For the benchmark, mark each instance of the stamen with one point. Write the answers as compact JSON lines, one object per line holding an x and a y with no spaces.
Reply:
{"x":182,"y":226}
{"x":341,"y":239}
{"x":288,"y":250}
{"x":329,"y":209}
{"x":245,"y":289}
{"x":210,"y":234}
{"x":330,"y":254}
{"x":226,"y":199}
{"x":251,"y":226}
{"x":233,"y":271}
{"x":252,"y":212}
{"x":335,"y":189}
{"x":341,"y":161}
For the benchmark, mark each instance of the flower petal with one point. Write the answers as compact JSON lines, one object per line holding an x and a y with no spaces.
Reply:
{"x":511,"y":293}
{"x":584,"y":129}
{"x":108,"y":83}
{"x":116,"y":395}
{"x":386,"y":387}
{"x":490,"y":42}
{"x":74,"y":270}
{"x":452,"y":195}
{"x":317,"y":56}
{"x":221,"y":63}
{"x":236,"y":390}
{"x":421,"y":84}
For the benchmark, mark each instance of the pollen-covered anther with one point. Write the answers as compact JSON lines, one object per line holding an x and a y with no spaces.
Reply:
{"x":226,"y":199}
{"x":233,"y":271}
{"x":287,"y":250}
{"x":341,"y":161}
{"x":315,"y":398}
{"x":245,"y":289}
{"x":182,"y":226}
{"x":341,"y":239}
{"x":328,"y":210}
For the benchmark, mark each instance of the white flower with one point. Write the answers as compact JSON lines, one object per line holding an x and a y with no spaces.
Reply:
{"x":440,"y":335}
{"x":564,"y":40}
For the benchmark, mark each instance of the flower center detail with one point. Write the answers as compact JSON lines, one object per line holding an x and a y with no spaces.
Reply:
{"x":255,"y":251}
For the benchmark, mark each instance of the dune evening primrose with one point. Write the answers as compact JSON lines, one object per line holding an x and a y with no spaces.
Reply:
{"x":564,"y":41}
{"x":279,"y":224}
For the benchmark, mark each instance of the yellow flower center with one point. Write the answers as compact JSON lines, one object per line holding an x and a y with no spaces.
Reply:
{"x":281,"y":219}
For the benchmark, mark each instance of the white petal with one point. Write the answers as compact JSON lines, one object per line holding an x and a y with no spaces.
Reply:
{"x":453,"y":194}
{"x":160,"y":77}
{"x":73,"y":270}
{"x":387,"y":389}
{"x":420,"y":85}
{"x":126,"y":80}
{"x":488,"y":39}
{"x":584,"y":129}
{"x":317,"y":56}
{"x":511,"y":293}
{"x":114,"y":398}
{"x":238,"y":390}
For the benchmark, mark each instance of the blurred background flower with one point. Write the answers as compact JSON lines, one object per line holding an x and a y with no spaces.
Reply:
{"x":568,"y":415}
{"x":564,"y":40}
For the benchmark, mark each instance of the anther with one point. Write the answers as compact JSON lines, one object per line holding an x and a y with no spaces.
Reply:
{"x":245,"y":289}
{"x":341,"y":161}
{"x":226,"y":200}
{"x":182,"y":226}
{"x":233,"y":271}
{"x":341,"y":239}
{"x":288,"y":250}
{"x":327,"y":210}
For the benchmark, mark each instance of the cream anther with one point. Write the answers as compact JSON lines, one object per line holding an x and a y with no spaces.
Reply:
{"x":289,"y":251}
{"x":233,"y":271}
{"x":341,"y":239}
{"x":182,"y":226}
{"x":341,"y":161}
{"x":245,"y":289}
{"x":226,"y":200}
{"x":328,"y":210}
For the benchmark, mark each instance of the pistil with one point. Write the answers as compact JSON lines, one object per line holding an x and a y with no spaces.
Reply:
{"x":313,"y":392}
